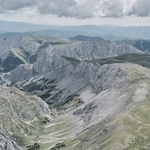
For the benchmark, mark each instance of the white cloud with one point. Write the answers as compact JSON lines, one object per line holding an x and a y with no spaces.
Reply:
{"x":80,"y":8}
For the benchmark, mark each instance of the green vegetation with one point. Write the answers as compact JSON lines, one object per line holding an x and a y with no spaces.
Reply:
{"x":36,"y":146}
{"x":45,"y":120}
{"x":58,"y":146}
{"x":10,"y":63}
{"x":73,"y":61}
{"x":35,"y":87}
{"x":87,"y":38}
{"x":140,"y":59}
{"x":20,"y":138}
{"x":11,"y":59}
{"x":75,"y":102}
{"x":46,"y":44}
{"x":32,"y":58}
{"x":59,"y":105}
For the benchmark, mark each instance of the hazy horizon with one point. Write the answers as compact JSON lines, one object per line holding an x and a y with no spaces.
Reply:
{"x":48,"y":24}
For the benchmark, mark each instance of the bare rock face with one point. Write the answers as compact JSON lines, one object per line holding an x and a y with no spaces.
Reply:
{"x":8,"y":144}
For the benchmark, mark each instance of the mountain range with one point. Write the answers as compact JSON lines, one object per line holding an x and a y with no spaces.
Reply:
{"x":108,"y":32}
{"x":79,"y":93}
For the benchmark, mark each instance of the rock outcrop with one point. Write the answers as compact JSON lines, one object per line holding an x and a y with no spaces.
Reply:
{"x":8,"y":144}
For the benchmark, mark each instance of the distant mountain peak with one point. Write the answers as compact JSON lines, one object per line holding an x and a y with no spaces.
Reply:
{"x":87,"y":38}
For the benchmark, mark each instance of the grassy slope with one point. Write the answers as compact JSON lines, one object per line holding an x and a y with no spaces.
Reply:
{"x":129,"y":130}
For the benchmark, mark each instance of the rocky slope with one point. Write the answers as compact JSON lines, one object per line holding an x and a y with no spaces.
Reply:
{"x":21,"y":116}
{"x":143,"y":45}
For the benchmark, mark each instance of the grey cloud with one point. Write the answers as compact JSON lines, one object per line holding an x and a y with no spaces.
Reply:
{"x":81,"y":8}
{"x":112,"y":9}
{"x":57,"y":7}
{"x":86,"y":9}
{"x":141,"y":8}
{"x":15,"y":4}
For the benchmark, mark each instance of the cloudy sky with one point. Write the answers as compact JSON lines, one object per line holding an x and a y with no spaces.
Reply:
{"x":76,"y":12}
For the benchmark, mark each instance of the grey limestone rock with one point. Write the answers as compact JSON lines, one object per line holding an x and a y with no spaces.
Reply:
{"x":7,"y":143}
